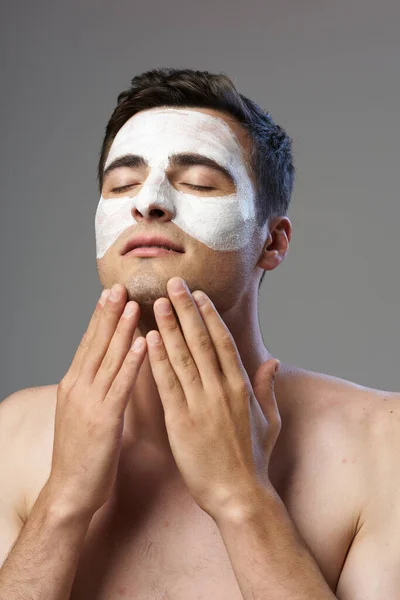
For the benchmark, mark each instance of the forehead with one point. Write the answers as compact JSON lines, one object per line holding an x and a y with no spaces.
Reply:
{"x":238,"y":131}
{"x":178,"y":122}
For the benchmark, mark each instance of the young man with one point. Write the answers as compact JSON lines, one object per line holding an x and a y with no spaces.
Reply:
{"x":182,"y":470}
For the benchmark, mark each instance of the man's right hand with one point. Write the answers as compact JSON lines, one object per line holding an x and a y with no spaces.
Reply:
{"x":91,"y":402}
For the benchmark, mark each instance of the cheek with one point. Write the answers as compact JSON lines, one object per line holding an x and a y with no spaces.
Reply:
{"x":102,"y":271}
{"x":110,"y":222}
{"x":217,"y":222}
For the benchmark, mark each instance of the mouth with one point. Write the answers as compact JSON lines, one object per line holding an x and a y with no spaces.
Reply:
{"x":151,"y":241}
{"x":150,"y":251}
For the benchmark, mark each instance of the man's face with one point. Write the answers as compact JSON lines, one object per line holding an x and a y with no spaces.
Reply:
{"x":156,"y":194}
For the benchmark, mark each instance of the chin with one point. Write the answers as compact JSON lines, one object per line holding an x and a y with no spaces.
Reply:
{"x":146,"y":288}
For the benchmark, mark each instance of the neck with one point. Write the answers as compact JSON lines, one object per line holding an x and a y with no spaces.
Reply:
{"x":144,"y":416}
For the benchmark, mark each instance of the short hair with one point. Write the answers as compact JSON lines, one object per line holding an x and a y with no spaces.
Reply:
{"x":270,"y":159}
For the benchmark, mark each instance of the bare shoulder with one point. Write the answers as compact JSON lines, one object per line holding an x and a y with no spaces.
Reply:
{"x":357,"y":425}
{"x":22,"y":411}
{"x":323,"y":395}
{"x":356,"y":465}
{"x":27,"y":430}
{"x":346,"y":442}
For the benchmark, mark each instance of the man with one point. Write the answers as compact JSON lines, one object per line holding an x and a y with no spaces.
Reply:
{"x":185,"y":470}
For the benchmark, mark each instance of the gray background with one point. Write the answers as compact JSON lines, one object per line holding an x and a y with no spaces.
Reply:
{"x":329,"y":74}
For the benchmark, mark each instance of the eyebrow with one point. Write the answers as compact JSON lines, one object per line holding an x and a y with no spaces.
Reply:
{"x":184,"y":159}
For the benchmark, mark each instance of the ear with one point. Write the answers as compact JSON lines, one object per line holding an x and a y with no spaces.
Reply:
{"x":276,"y":245}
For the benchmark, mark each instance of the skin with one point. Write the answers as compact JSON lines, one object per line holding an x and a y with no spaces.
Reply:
{"x":334,"y":462}
{"x":230,"y":279}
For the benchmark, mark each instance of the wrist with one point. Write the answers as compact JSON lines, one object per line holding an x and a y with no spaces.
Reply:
{"x":245,"y":504}
{"x":62,"y":511}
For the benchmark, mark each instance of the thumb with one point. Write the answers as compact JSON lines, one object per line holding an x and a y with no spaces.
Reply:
{"x":263,"y":388}
{"x":264,"y":379}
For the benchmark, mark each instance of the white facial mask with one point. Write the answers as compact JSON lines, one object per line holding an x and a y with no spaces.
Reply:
{"x":221,"y":223}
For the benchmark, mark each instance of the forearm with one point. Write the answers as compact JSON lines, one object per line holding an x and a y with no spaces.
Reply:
{"x":42,"y":563}
{"x":269,"y":558}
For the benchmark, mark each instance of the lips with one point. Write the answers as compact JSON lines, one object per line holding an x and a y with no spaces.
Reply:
{"x":150,"y":251}
{"x":144,"y":241}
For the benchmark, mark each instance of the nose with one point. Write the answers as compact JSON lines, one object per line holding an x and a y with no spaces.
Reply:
{"x":153,"y":212}
{"x":154,"y":201}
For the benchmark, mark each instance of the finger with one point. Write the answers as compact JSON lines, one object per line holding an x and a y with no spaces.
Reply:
{"x":267,"y":395}
{"x":174,"y":343}
{"x":222,"y":339}
{"x":121,"y":388}
{"x":76,"y":363}
{"x":171,"y":391}
{"x":104,"y":332}
{"x":195,"y":333}
{"x":117,"y":349}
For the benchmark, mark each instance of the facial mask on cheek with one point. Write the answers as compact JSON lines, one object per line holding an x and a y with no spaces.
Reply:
{"x":221,"y":223}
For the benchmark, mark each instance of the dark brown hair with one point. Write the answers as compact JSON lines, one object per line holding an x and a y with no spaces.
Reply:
{"x":271,"y":157}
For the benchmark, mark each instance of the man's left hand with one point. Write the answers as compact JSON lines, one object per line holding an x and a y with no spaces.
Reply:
{"x":220,"y":439}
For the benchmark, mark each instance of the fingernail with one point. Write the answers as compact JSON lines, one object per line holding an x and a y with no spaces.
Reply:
{"x":138,"y":344}
{"x":177,"y":285}
{"x":154,"y":338}
{"x":200,"y":298}
{"x":163,"y":307}
{"x":115,"y":292}
{"x":103,"y":297}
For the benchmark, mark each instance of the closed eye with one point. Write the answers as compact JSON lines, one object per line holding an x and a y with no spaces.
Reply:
{"x":200,"y":188}
{"x":124,"y":187}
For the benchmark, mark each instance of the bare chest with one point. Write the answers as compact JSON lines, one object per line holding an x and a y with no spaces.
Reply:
{"x":163,"y":547}
{"x":157,"y":543}
{"x":151,"y":541}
